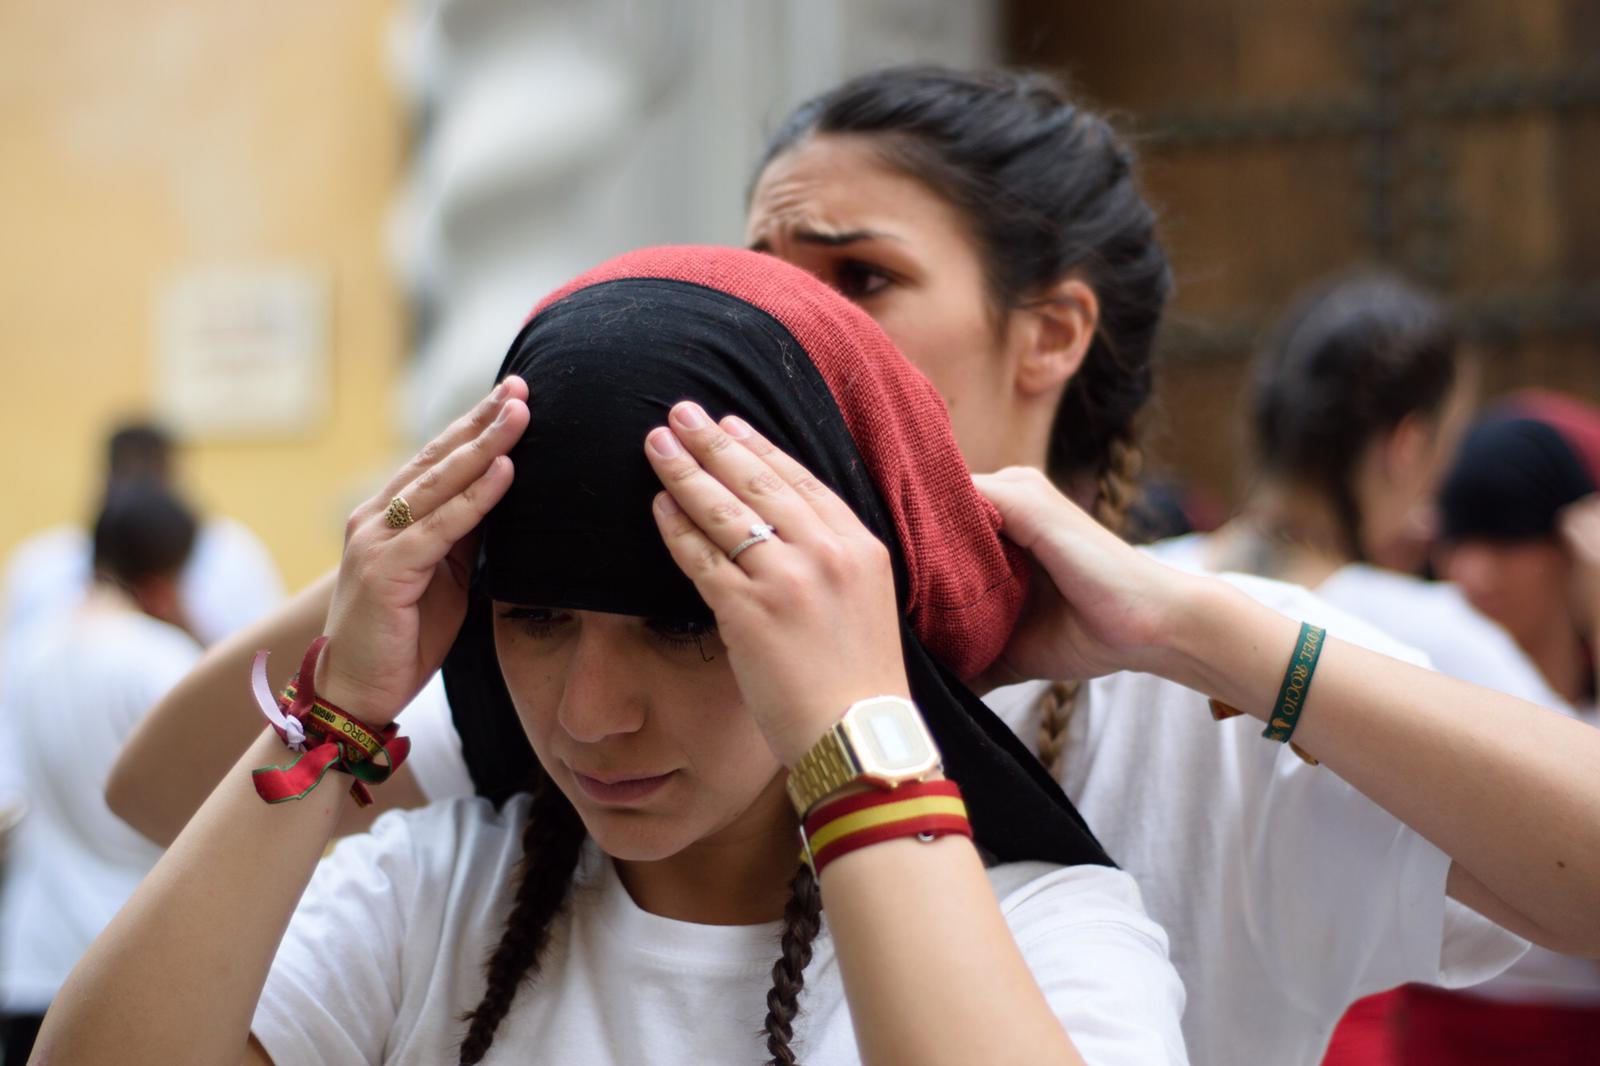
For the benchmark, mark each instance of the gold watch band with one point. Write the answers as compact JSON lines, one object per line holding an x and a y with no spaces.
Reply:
{"x":821,"y":771}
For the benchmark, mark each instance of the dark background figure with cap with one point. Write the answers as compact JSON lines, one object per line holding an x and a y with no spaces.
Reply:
{"x":1520,"y":531}
{"x":83,"y":683}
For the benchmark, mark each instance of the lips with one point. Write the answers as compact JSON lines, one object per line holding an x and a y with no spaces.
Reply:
{"x":621,"y":790}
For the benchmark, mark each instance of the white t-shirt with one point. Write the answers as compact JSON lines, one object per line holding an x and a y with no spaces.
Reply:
{"x":1431,"y":616}
{"x":1436,"y":618}
{"x":73,"y":863}
{"x":1286,"y":894}
{"x":387,"y":950}
{"x":435,"y":760}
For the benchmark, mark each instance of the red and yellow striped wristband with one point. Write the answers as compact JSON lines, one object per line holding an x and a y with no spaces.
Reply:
{"x":922,"y":809}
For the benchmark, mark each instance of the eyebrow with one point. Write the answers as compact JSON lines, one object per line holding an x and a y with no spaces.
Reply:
{"x":806,"y":235}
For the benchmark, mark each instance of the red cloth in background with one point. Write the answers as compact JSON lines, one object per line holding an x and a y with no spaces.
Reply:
{"x":1439,"y":1028}
{"x":1366,"y":1034}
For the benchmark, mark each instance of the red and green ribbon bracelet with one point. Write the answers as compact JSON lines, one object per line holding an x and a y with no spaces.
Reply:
{"x":323,"y":736}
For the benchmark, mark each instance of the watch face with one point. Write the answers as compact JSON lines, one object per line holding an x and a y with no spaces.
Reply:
{"x":891,"y":737}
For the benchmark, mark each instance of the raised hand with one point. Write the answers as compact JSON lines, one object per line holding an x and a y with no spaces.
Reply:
{"x":402,"y":592}
{"x":808,"y":616}
{"x":1100,"y":606}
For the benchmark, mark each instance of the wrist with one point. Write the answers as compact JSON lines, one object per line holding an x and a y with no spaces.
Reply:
{"x":791,"y":743}
{"x":1209,"y":621}
{"x":354,"y":697}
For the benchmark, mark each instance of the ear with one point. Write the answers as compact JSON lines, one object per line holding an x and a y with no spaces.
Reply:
{"x":1064,"y":320}
{"x":1407,"y":445}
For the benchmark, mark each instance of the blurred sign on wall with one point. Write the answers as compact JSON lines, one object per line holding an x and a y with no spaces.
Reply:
{"x":242,"y":351}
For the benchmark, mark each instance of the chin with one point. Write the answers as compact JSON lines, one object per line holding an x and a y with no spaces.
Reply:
{"x":635,"y":837}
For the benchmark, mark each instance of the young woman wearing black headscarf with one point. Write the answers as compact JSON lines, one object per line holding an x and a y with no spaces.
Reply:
{"x":671,"y":656}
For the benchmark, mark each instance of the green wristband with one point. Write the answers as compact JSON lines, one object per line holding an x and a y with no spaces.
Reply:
{"x":1296,"y":683}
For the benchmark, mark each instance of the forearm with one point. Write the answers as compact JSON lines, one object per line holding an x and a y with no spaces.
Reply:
{"x":176,"y":976}
{"x":189,"y":739}
{"x":913,"y":923}
{"x":1509,"y":790}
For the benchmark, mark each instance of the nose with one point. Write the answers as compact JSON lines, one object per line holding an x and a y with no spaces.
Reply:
{"x":602,"y":696}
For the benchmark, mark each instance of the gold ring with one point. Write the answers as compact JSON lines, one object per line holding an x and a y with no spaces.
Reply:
{"x":398,"y":514}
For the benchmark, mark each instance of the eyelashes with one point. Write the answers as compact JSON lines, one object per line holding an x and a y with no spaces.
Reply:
{"x":544,"y":623}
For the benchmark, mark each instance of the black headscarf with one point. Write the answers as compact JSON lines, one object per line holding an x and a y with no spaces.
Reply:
{"x":604,"y":360}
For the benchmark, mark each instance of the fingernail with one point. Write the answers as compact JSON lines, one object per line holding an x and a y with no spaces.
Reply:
{"x":498,"y":394}
{"x":505,"y":413}
{"x":689,"y":415}
{"x":664,"y":443}
{"x":737,"y":427}
{"x":665,"y":503}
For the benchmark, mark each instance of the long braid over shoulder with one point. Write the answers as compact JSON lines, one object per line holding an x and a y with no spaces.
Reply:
{"x":802,"y":919}
{"x":551,"y":844}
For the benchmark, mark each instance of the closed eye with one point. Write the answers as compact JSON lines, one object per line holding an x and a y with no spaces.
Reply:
{"x":537,"y":622}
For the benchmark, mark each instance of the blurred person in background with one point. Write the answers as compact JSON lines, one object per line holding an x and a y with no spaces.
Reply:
{"x":1522,"y":532}
{"x":1357,"y":402}
{"x":230,"y":579}
{"x":996,"y":231}
{"x":1521,"y":538}
{"x":87,"y":677}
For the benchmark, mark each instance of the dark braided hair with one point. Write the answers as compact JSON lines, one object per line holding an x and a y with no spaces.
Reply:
{"x":802,"y":918}
{"x":1349,"y":361}
{"x":551,"y":844}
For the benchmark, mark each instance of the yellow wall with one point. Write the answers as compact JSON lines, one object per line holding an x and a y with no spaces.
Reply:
{"x":143,"y":138}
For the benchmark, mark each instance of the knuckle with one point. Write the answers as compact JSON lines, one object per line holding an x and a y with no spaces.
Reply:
{"x":707,"y":558}
{"x":427,"y":482}
{"x":728,"y":511}
{"x":431,"y":453}
{"x":683,"y":471}
{"x":677,"y":525}
{"x":765,"y":483}
{"x":718,"y":442}
{"x":808,"y":485}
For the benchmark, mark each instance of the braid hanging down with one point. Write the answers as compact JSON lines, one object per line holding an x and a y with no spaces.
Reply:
{"x":802,"y":918}
{"x":551,"y":844}
{"x":1116,"y":489}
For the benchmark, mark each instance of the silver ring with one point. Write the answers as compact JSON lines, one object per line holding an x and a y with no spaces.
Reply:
{"x":758,"y":533}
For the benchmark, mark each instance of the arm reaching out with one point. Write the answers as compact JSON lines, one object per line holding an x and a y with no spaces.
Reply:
{"x":1505,"y":788}
{"x":188,"y":740}
{"x":203,"y":928}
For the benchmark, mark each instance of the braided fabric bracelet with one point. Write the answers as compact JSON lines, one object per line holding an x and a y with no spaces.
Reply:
{"x":922,"y":809}
{"x":1291,"y":694}
{"x":322,"y":736}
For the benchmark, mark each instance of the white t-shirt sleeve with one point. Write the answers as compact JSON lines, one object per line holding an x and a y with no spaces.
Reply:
{"x":435,"y":760}
{"x":335,"y":986}
{"x":1382,"y":917}
{"x":1101,"y":962}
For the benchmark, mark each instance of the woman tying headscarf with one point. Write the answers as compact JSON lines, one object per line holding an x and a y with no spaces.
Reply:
{"x":995,"y":230}
{"x":697,"y":670}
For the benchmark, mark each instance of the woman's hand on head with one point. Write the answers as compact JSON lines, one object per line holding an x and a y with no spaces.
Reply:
{"x":1097,"y":607}
{"x":401,"y":594}
{"x":809,"y":618}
